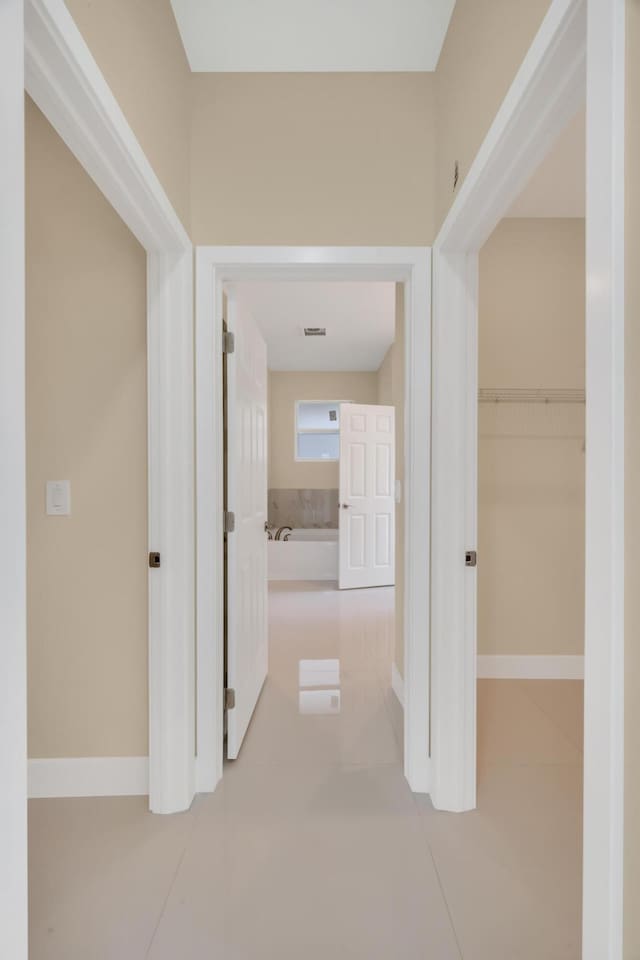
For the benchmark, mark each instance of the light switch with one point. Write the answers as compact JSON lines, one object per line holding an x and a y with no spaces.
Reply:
{"x":58,"y":498}
{"x":398,"y":492}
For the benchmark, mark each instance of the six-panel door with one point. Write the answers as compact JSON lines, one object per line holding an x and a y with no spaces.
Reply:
{"x":367,"y":495}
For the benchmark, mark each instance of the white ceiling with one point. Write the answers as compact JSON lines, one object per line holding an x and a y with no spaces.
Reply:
{"x":558,"y":187}
{"x":312,"y":35}
{"x":359,"y":317}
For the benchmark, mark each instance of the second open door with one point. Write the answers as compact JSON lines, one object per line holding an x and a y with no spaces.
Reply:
{"x":367,"y":495}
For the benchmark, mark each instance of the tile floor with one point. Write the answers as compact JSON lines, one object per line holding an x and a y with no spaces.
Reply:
{"x":313,"y":845}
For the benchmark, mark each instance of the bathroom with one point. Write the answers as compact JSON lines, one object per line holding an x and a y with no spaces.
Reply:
{"x":328,"y":344}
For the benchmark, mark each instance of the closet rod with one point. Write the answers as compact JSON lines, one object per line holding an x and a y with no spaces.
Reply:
{"x":530,"y":395}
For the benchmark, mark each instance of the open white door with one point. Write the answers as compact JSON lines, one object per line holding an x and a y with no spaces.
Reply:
{"x":247,"y":639}
{"x":367,"y":504}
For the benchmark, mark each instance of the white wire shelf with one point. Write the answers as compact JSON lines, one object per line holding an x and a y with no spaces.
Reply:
{"x":530,"y":395}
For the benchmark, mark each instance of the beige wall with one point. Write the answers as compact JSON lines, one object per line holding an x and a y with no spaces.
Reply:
{"x":632,"y":504}
{"x":391,"y":391}
{"x":352,"y":158}
{"x":284,"y":389}
{"x":385,"y":378}
{"x":137,"y":46}
{"x":484,"y":47}
{"x":309,"y":158}
{"x":531,"y":458}
{"x":86,"y":422}
{"x":313,"y":158}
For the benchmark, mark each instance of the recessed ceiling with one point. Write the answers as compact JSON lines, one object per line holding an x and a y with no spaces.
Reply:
{"x":558,"y":186}
{"x":359,"y":320}
{"x":312,"y":35}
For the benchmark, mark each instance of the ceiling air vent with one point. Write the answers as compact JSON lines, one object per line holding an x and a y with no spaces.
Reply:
{"x":315,"y":331}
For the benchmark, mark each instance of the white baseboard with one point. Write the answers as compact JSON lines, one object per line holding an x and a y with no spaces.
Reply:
{"x":88,"y":777}
{"x":542,"y":667}
{"x":397,"y":684}
{"x":129,"y":776}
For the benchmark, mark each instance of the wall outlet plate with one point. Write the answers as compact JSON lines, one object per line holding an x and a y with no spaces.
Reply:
{"x":58,"y":498}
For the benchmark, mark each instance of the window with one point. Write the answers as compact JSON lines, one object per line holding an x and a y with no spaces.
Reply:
{"x":318,"y":429}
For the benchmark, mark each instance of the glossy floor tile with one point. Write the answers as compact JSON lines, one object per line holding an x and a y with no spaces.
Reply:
{"x":313,"y":845}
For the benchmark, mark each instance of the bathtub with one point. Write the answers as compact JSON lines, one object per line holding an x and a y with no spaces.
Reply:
{"x":306,"y":555}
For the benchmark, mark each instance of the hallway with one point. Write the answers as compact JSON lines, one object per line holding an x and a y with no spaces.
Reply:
{"x":313,"y":844}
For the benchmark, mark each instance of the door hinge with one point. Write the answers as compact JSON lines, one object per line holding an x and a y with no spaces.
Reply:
{"x":229,"y":521}
{"x":228,"y":342}
{"x":471,"y":558}
{"x":154,"y":559}
{"x":229,"y":698}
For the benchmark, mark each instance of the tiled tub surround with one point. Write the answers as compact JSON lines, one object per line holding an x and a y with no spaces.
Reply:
{"x":304,"y":509}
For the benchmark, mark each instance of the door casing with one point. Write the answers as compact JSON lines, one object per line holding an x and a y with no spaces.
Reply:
{"x":65,"y":82}
{"x":216,"y":266}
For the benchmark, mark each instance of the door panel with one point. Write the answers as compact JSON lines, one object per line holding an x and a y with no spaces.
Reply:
{"x":383,"y":540}
{"x":367,"y":506}
{"x":383,"y":470}
{"x":247,"y":639}
{"x":357,"y":454}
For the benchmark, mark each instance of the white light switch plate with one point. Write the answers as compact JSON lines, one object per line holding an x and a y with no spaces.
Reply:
{"x":58,"y":498}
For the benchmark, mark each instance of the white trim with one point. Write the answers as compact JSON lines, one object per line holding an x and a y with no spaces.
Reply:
{"x":214,"y":267}
{"x":602,"y":908}
{"x":545,"y":92}
{"x":530,"y":667}
{"x":64,"y":80}
{"x":453,"y":532}
{"x":89,"y":777}
{"x":172,"y":669}
{"x":397,"y":683}
{"x":13,"y":593}
{"x":66,"y":83}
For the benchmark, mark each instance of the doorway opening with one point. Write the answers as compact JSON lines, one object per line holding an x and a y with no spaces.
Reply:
{"x":531,"y":536}
{"x":315,"y":383}
{"x":221,"y":270}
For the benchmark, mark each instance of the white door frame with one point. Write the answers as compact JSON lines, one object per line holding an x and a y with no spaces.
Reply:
{"x":13,"y":518}
{"x":214,"y":267}
{"x":65,"y":82}
{"x":548,"y":89}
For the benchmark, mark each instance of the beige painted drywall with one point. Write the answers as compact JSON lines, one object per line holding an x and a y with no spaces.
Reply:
{"x":352,"y":158}
{"x":632,"y":483}
{"x":391,"y":391}
{"x":532,"y":304}
{"x":284,"y":389}
{"x":86,"y":422}
{"x":531,"y":458}
{"x":482,"y":52}
{"x":138,"y":48}
{"x":342,"y":158}
{"x":385,"y":378}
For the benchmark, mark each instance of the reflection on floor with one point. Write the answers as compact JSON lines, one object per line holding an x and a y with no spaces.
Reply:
{"x":313,"y":846}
